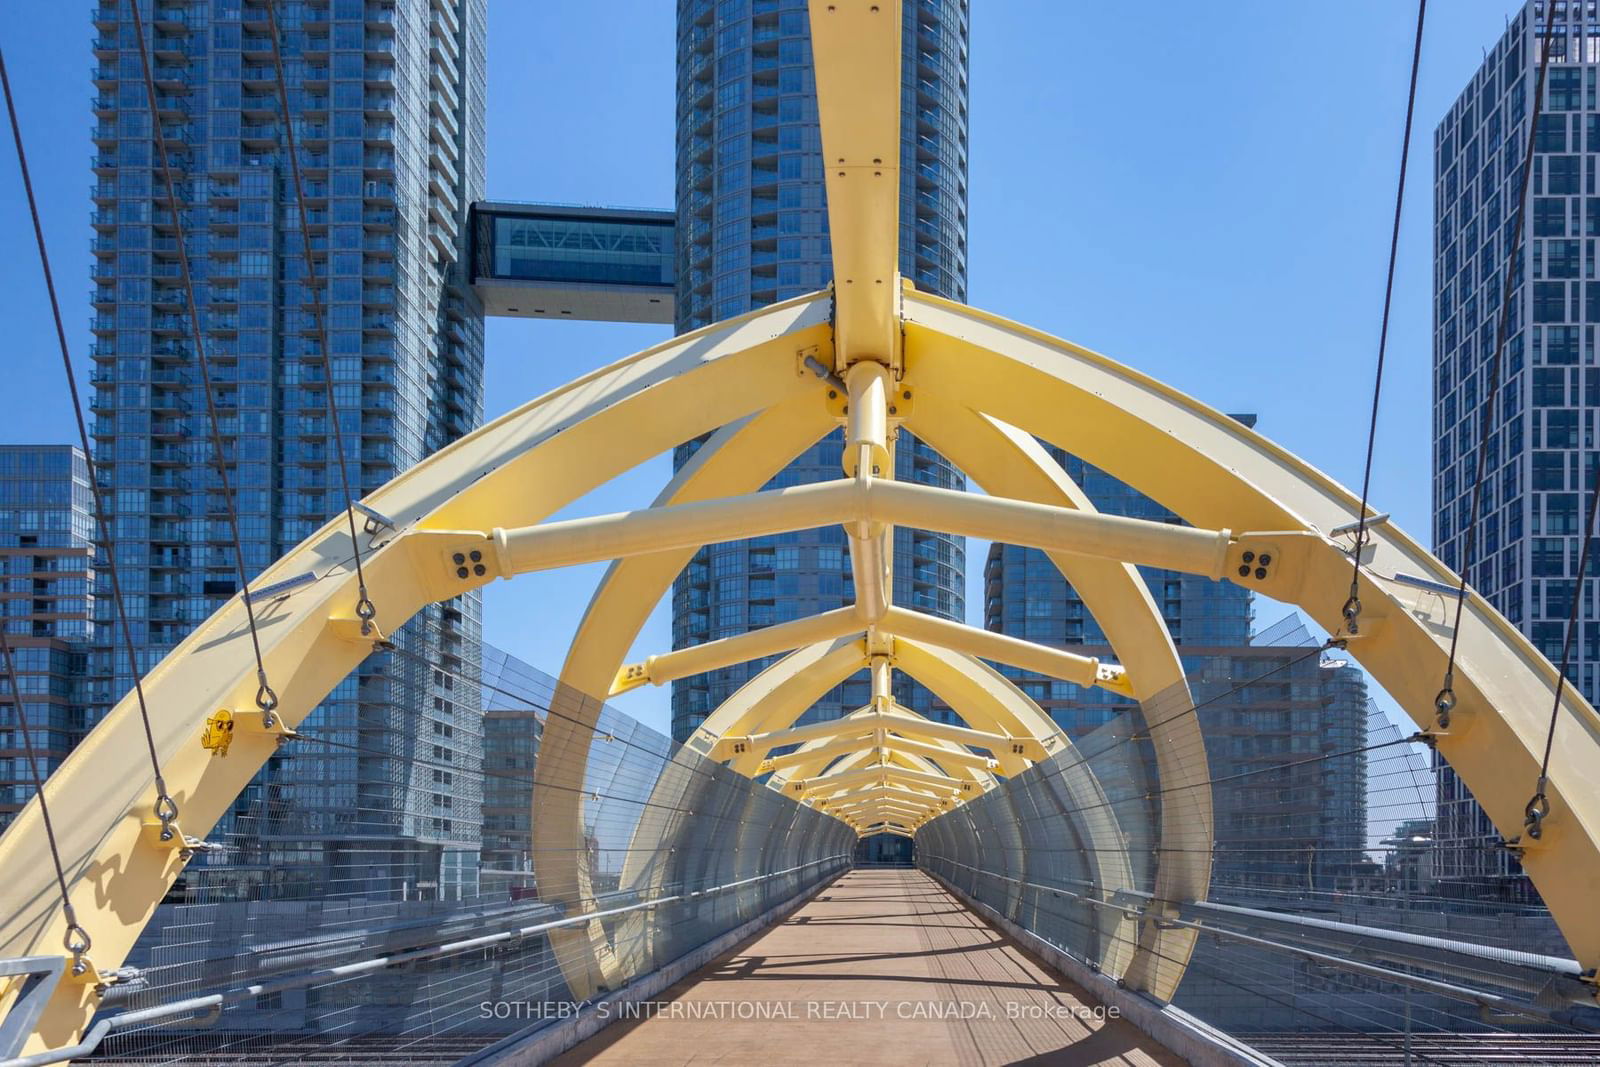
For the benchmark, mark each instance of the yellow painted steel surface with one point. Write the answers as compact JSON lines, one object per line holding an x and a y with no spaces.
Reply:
{"x":978,"y":388}
{"x":856,"y":45}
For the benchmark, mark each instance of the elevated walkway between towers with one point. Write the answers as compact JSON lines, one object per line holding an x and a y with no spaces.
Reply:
{"x":883,"y":966}
{"x":554,"y":261}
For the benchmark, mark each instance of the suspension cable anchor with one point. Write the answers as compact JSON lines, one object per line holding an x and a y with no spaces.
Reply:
{"x":1444,"y":703}
{"x":1537,"y":810}
{"x":366,"y":611}
{"x":266,"y":700}
{"x":77,"y":943}
{"x":1352,"y":612}
{"x":361,"y":629}
{"x":166,"y":810}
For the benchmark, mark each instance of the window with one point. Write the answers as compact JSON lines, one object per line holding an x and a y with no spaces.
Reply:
{"x":1549,"y":301}
{"x":1549,"y":470}
{"x":1561,"y":175}
{"x":1550,"y":216}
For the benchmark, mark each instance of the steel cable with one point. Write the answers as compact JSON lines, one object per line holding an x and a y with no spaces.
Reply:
{"x":165,"y":809}
{"x":76,"y":940}
{"x":365,"y":611}
{"x":266,"y":699}
{"x":1352,"y":606}
{"x":1445,"y":701}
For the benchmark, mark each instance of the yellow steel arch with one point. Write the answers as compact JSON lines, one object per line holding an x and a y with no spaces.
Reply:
{"x":518,"y":469}
{"x":893,"y":351}
{"x":1214,"y":472}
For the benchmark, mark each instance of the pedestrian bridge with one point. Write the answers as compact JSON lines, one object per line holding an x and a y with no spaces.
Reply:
{"x":881,"y":959}
{"x":139,"y":921}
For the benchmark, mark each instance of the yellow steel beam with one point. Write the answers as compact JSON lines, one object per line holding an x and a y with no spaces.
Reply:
{"x":882,"y":790}
{"x":881,"y":802}
{"x":985,"y":644}
{"x":900,"y":720}
{"x":921,"y":806}
{"x":855,"y":47}
{"x":874,"y":745}
{"x":781,"y":693}
{"x":814,"y":758}
{"x":599,"y":538}
{"x":878,"y":816}
{"x":885,"y":772}
{"x":741,"y":648}
{"x":826,"y":751}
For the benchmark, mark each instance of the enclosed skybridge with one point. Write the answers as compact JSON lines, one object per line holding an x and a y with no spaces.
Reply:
{"x":563,"y":261}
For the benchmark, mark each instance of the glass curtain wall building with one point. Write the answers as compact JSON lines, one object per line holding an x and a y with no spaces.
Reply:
{"x":46,"y":519}
{"x":1541,"y":455}
{"x":516,"y":699}
{"x":387,"y":102}
{"x":752,"y":229}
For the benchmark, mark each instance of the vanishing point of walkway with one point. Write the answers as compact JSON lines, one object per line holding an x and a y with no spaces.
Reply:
{"x":882,"y":967}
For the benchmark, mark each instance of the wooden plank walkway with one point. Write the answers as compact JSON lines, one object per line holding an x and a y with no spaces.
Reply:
{"x":883,"y":967}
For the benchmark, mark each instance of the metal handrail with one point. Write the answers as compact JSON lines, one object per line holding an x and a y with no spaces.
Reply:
{"x":1562,"y":998}
{"x":212,"y":1004}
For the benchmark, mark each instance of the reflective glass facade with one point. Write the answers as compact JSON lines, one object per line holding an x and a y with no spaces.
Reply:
{"x":563,"y":261}
{"x":46,"y":522}
{"x":387,"y":100}
{"x":600,"y":245}
{"x":1541,"y":456}
{"x":516,"y":698}
{"x":752,"y":229}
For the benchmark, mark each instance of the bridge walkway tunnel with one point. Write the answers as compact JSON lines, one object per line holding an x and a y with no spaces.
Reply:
{"x":882,"y":966}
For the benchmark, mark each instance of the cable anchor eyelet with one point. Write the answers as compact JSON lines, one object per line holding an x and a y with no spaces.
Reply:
{"x":1443,"y":704}
{"x":1534,"y":814}
{"x":366,"y":611}
{"x":266,"y":700}
{"x":1352,"y":614}
{"x":166,"y":810}
{"x":77,"y":943}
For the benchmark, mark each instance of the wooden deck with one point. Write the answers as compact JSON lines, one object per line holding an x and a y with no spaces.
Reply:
{"x":882,"y":967}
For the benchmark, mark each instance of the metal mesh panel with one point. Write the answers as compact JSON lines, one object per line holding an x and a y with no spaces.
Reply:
{"x":674,"y":851}
{"x":1322,"y":915}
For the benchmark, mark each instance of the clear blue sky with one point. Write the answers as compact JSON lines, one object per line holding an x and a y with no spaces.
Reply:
{"x":1203,"y":191}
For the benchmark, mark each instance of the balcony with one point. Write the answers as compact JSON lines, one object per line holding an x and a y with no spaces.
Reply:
{"x":444,"y":83}
{"x":442,"y":39}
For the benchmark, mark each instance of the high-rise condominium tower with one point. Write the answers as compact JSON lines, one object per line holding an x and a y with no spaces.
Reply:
{"x":386,"y":98}
{"x":45,"y":530}
{"x":1541,"y":455}
{"x":752,"y":229}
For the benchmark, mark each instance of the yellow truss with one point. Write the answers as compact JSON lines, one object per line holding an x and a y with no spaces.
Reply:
{"x":978,"y":388}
